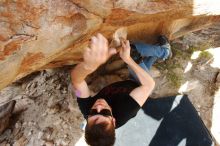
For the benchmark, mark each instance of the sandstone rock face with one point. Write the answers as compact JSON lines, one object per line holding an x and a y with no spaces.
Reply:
{"x":39,"y":34}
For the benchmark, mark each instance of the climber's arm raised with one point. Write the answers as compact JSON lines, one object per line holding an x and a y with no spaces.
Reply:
{"x":94,"y":56}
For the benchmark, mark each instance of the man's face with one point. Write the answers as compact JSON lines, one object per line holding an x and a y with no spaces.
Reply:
{"x":100,"y":105}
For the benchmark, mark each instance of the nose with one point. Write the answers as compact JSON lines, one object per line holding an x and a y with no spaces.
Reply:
{"x":99,"y":108}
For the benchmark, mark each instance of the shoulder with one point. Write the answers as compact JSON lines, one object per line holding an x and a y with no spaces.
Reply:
{"x":124,"y":109}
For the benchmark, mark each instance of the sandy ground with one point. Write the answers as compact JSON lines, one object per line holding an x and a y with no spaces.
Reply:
{"x":46,"y":111}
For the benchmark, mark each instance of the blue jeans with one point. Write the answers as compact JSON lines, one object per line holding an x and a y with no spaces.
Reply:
{"x":150,"y":53}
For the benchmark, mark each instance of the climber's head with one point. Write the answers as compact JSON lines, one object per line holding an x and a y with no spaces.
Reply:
{"x":100,"y":128}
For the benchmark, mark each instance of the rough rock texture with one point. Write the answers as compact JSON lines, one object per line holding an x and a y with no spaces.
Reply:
{"x":5,"y":114}
{"x":39,"y":34}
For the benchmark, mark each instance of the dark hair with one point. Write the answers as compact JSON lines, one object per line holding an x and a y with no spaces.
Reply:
{"x":101,"y":134}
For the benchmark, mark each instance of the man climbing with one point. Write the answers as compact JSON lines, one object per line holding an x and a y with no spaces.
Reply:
{"x":115,"y":104}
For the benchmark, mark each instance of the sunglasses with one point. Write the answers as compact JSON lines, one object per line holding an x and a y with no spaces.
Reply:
{"x":104,"y":112}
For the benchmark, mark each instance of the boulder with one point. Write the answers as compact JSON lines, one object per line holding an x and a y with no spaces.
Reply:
{"x":5,"y":114}
{"x":36,"y":35}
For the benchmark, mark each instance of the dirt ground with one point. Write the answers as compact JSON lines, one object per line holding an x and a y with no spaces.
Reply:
{"x":46,"y":111}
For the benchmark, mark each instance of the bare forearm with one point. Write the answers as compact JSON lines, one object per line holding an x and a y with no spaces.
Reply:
{"x":141,"y":93}
{"x":79,"y":73}
{"x":94,"y":56}
{"x":143,"y":76}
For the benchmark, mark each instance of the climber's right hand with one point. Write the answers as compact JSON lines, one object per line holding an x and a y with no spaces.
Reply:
{"x":98,"y":52}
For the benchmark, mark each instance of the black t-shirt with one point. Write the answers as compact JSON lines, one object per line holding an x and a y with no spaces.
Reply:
{"x":124,"y":107}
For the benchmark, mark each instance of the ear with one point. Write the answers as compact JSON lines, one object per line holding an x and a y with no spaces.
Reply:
{"x":114,"y":121}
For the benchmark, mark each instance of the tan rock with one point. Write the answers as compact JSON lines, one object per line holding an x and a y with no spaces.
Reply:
{"x":4,"y":143}
{"x":123,"y":73}
{"x":155,"y":73}
{"x":21,"y":142}
{"x":49,"y":143}
{"x":218,"y":78}
{"x":5,"y":114}
{"x":41,"y":34}
{"x":117,"y":64}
